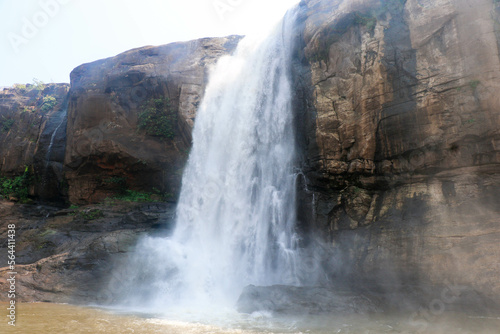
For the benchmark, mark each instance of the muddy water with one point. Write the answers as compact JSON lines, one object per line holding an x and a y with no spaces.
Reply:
{"x":60,"y":318}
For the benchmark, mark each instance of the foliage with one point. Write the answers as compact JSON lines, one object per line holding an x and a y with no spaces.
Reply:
{"x":91,"y":214}
{"x":6,"y":124}
{"x":38,"y":84}
{"x":474,"y":83}
{"x":116,"y":180}
{"x":28,"y":109}
{"x":135,"y":196}
{"x":158,"y":119}
{"x":21,"y":87}
{"x":49,"y":102}
{"x":17,"y":186}
{"x":366,"y":20}
{"x":139,"y":196}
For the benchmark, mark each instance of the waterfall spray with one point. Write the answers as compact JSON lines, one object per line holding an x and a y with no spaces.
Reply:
{"x":236,"y":212}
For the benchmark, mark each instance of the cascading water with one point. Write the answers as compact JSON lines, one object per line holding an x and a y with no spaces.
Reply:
{"x":61,"y":119}
{"x":236,"y":212}
{"x":51,"y":163}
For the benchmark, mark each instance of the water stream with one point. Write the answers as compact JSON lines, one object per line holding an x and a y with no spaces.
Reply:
{"x":61,"y":118}
{"x":236,"y":213}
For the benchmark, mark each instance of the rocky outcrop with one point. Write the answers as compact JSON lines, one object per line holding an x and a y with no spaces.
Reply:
{"x":401,"y":139}
{"x":29,"y":116}
{"x":65,"y":255}
{"x":108,"y":96}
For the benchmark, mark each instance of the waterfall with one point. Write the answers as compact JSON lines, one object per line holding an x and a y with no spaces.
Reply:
{"x":61,"y":118}
{"x":236,"y":212}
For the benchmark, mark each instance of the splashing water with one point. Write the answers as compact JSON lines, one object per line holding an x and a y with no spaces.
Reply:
{"x":236,"y":212}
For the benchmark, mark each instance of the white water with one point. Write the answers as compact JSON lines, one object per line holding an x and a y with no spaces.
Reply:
{"x":62,"y":116}
{"x":236,"y":213}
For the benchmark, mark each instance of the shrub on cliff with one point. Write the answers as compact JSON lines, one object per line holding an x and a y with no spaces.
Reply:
{"x":157,"y":118}
{"x":17,"y":187}
{"x":6,"y":124}
{"x":49,"y":102}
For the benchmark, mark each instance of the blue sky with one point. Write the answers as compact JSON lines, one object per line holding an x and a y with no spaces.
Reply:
{"x":46,"y":39}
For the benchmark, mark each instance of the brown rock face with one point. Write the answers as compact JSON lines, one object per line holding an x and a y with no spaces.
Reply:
{"x":106,"y":98}
{"x":67,"y":255}
{"x":27,"y":130}
{"x":402,"y":138}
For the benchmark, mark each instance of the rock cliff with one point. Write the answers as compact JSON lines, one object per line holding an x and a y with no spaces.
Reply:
{"x":106,"y":100}
{"x":29,"y":117}
{"x":401,"y":139}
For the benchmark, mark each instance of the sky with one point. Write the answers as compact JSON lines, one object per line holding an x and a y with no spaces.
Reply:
{"x":46,"y":39}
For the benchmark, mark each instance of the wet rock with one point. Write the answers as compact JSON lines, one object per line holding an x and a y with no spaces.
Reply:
{"x":66,"y":255}
{"x":400,"y":138}
{"x":26,"y":129}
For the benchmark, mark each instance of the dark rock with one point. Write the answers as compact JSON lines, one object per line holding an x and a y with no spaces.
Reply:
{"x":66,"y":255}
{"x":26,"y":131}
{"x":106,"y":151}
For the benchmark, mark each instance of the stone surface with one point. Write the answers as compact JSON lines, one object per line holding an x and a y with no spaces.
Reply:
{"x":400,"y":140}
{"x":106,"y":98}
{"x":67,"y":255}
{"x":26,"y":132}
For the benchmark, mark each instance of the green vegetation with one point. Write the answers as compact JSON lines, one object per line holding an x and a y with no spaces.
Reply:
{"x":38,"y":84}
{"x":48,"y":233}
{"x":118,"y":184}
{"x":135,"y":196}
{"x":92,"y":214}
{"x":6,"y":124}
{"x":117,"y":180}
{"x":474,"y":83}
{"x":158,"y":119}
{"x":366,"y":20}
{"x":21,"y":87}
{"x":17,"y":187}
{"x":356,"y":190}
{"x":139,"y":196}
{"x":470,"y":121}
{"x":49,"y":102}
